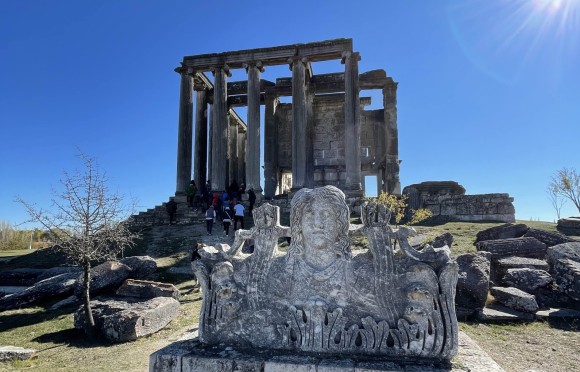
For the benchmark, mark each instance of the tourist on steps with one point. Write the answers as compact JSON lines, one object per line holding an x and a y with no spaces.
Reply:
{"x":209,"y":218}
{"x":227,"y":220}
{"x":239,"y":215}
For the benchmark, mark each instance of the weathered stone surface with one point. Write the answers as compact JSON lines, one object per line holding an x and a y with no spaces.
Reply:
{"x":373,"y":302}
{"x":515,"y":299}
{"x":498,"y":313}
{"x":552,"y":296}
{"x":147,"y":289}
{"x":57,"y":286}
{"x":506,"y":231}
{"x":570,"y":226}
{"x":567,"y":273}
{"x":521,"y":247}
{"x":502,"y":265}
{"x":67,"y":301}
{"x":127,"y":319}
{"x":472,"y":282}
{"x":189,"y":352}
{"x":141,"y":266}
{"x":569,"y":251}
{"x":442,"y":240}
{"x":547,"y":237}
{"x":19,"y":277}
{"x":107,"y":276}
{"x":558,"y":313}
{"x":9,"y":353}
{"x":527,"y":280}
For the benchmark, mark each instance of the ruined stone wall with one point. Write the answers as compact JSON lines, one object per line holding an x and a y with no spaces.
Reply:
{"x":372,"y":138}
{"x":328,"y":138}
{"x":448,"y":202}
{"x":483,"y":207}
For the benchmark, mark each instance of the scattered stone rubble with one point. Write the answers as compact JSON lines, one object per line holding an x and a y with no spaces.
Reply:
{"x":128,"y":308}
{"x":529,"y":273}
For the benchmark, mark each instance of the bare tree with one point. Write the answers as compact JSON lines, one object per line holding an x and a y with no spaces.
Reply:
{"x":556,"y":199}
{"x":566,"y":183}
{"x":87,"y":222}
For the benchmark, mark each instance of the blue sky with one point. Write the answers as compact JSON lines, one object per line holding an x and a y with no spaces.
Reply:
{"x":488,"y":89}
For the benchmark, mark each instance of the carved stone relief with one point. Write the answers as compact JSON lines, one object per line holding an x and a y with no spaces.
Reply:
{"x":319,"y":296}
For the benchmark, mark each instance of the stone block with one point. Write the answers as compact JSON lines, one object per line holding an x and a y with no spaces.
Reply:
{"x":555,"y":313}
{"x":197,"y":363}
{"x":547,"y":237}
{"x":473,"y":281}
{"x":290,"y":364}
{"x":527,"y":280}
{"x":498,"y":313}
{"x":505,"y":231}
{"x":107,"y":276}
{"x":515,"y":299}
{"x":58,"y":286}
{"x":147,"y":289}
{"x":335,"y":366}
{"x":141,"y":266}
{"x":499,"y":267}
{"x":570,"y":226}
{"x":569,"y":251}
{"x":520,"y":247}
{"x":567,"y":274}
{"x":10,"y":353}
{"x":121,"y":320}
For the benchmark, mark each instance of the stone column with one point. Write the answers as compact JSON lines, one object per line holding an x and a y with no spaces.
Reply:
{"x":210,"y":139}
{"x":253,"y":151}
{"x":241,"y":157}
{"x":270,"y":147}
{"x":232,"y":150}
{"x":200,"y":166}
{"x":392,"y":182}
{"x":352,"y":122}
{"x":220,"y":130}
{"x":185,"y":130}
{"x":301,"y":136}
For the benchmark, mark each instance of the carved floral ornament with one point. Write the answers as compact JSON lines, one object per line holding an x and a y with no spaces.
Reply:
{"x":321,"y":297}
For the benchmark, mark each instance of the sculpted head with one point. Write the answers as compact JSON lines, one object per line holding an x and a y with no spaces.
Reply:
{"x":319,"y":220}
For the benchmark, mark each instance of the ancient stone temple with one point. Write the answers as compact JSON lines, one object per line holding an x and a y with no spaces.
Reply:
{"x":383,"y":302}
{"x":323,"y":137}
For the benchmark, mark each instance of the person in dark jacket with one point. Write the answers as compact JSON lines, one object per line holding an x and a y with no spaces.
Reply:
{"x":251,"y":199}
{"x":171,"y":208}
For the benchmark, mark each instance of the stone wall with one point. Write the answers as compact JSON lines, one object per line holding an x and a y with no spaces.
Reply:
{"x":328,"y":138}
{"x":448,"y":202}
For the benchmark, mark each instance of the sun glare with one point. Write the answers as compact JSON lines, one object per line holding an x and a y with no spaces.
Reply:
{"x":505,"y":38}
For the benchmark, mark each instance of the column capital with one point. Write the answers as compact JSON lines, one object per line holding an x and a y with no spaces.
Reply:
{"x":183,"y":70}
{"x":345,"y":55}
{"x":225,"y":68}
{"x":258,"y":64}
{"x":295,"y":59}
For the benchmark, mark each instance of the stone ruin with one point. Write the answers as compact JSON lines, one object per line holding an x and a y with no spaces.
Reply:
{"x":448,"y":202}
{"x":324,"y":136}
{"x":388,"y":301}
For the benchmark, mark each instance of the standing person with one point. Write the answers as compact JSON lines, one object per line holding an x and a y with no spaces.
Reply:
{"x":252,"y":199}
{"x":239,"y":215}
{"x":227,"y":220}
{"x":191,"y":190}
{"x":209,"y":218}
{"x":171,"y":208}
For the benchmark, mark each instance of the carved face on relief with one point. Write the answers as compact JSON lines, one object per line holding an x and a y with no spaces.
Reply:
{"x":320,"y":225}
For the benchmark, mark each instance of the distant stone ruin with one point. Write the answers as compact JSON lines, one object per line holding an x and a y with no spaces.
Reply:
{"x":448,"y":202}
{"x":321,"y":297}
{"x":323,"y":137}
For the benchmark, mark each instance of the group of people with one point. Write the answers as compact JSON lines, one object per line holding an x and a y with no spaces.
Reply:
{"x":229,"y":213}
{"x":225,"y":207}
